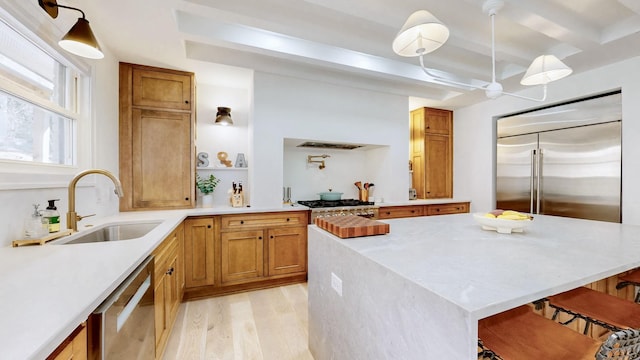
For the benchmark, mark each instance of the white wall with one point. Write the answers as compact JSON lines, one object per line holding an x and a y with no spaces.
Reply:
{"x":474,"y":132}
{"x":213,"y":138}
{"x":287,"y":107}
{"x":343,"y":169}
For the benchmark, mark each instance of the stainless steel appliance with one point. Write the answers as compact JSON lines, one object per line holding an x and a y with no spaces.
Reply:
{"x":324,"y":208}
{"x":563,"y":160}
{"x":122,"y":327}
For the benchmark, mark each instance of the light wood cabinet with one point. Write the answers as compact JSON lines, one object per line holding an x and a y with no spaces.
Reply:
{"x":200,"y":252}
{"x":161,"y":89}
{"x":287,"y":249}
{"x":394,"y":212}
{"x":443,"y":209}
{"x":157,"y":147}
{"x":242,"y":255}
{"x":74,"y":347}
{"x":263,"y":245}
{"x":240,"y":252}
{"x":431,"y":148}
{"x":167,"y":293}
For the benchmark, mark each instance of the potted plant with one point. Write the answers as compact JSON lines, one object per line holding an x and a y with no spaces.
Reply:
{"x":206,"y":186}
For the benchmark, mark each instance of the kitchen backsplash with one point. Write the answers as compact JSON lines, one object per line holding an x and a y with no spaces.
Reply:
{"x":342,"y":169}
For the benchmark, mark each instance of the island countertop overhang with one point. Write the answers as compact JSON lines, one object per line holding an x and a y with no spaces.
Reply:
{"x":484,"y":272}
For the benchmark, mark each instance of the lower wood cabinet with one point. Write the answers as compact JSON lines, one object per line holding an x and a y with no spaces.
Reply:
{"x":167,"y":287}
{"x":242,"y":255}
{"x":287,"y":248}
{"x":73,"y":347}
{"x":231,"y":253}
{"x":394,"y":212}
{"x":200,"y":251}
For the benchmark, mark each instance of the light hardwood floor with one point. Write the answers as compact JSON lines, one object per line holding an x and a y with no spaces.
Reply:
{"x":263,"y":324}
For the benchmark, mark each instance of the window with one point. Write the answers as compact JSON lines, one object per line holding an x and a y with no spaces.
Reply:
{"x":38,"y":112}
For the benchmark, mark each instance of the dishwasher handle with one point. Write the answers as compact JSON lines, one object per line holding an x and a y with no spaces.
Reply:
{"x":133,"y":303}
{"x":126,"y":284}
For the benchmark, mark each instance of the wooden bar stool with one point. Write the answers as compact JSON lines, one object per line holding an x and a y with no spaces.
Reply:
{"x":632,"y":278}
{"x":598,"y":308}
{"x":520,"y":334}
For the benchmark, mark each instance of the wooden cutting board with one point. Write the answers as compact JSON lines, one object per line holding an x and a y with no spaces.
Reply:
{"x":350,"y":226}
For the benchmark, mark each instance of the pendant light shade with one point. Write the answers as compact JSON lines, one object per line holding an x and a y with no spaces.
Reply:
{"x":223,"y":116}
{"x":81,"y":41}
{"x":422,"y":33}
{"x":545,"y":69}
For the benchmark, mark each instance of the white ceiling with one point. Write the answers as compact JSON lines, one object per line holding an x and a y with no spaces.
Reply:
{"x":349,"y":42}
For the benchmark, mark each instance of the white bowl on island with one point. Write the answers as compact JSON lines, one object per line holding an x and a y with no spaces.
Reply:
{"x":503,"y":226}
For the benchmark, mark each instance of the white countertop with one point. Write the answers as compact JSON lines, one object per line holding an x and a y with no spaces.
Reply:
{"x":485,"y":273}
{"x":422,"y":202}
{"x":47,"y":291}
{"x":423,"y":287}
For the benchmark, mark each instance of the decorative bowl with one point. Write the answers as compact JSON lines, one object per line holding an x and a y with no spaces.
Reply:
{"x":503,"y":226}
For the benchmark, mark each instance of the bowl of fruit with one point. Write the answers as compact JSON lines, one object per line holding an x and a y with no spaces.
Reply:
{"x":503,"y":221}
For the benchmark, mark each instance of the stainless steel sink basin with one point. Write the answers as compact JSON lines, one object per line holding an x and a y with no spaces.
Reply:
{"x":114,"y":232}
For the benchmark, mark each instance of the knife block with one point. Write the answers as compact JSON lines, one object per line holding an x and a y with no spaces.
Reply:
{"x":237,"y":200}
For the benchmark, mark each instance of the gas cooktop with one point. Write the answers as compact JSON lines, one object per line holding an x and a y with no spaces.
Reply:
{"x":333,"y":203}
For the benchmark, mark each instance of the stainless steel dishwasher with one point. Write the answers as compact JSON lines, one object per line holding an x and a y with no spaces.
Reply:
{"x":122,"y":327}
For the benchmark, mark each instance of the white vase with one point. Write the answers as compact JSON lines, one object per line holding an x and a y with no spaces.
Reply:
{"x":207,"y":201}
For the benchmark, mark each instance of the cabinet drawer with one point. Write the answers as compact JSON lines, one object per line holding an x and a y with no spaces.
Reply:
{"x":392,"y":212}
{"x":443,"y":209}
{"x":165,"y":254}
{"x":236,"y":222}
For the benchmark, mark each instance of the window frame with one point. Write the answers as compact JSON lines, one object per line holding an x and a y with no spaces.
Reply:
{"x":15,"y":174}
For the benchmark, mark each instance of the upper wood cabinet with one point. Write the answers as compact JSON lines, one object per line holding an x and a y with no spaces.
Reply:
{"x":157,"y":138}
{"x":431,"y":148}
{"x":164,"y":90}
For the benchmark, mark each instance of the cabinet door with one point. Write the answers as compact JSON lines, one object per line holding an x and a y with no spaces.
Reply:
{"x":242,"y":255}
{"x":287,"y":250}
{"x":172,"y":292}
{"x":74,"y":347}
{"x":160,"y":89}
{"x":416,"y":139}
{"x":437,"y":121}
{"x":161,"y":168}
{"x":438,"y":169}
{"x":160,"y":310}
{"x":179,"y":233}
{"x":199,"y":252}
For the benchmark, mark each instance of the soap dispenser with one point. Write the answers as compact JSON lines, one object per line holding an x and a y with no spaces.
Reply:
{"x":36,"y":226}
{"x":52,"y":216}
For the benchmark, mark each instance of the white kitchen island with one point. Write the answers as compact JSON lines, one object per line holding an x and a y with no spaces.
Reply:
{"x":419,"y":291}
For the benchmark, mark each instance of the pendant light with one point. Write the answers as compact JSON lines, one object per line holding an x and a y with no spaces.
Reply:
{"x":223,"y":116}
{"x":80,"y":39}
{"x":423,"y":33}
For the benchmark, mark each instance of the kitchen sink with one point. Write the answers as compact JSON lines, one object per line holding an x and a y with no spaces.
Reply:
{"x":113,"y":232}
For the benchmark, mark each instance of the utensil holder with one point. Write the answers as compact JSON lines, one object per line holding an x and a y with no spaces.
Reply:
{"x":364,"y":195}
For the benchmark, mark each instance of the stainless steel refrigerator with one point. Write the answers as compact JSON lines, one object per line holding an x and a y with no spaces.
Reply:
{"x":564,"y":160}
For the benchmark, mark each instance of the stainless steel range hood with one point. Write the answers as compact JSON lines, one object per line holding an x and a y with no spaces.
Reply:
{"x":327,"y":145}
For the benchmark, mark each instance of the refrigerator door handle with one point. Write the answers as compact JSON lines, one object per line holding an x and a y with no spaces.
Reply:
{"x":538,"y":177}
{"x":531,"y":180}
